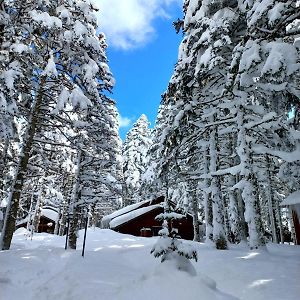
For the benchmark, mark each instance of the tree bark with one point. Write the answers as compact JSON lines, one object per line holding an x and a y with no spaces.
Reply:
{"x":195,"y":208}
{"x":207,"y":201}
{"x":270,"y":198}
{"x":15,"y":194}
{"x":74,"y":204}
{"x":219,"y":236}
{"x":250,"y":193}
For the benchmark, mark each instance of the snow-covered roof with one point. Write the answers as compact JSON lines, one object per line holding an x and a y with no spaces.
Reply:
{"x":50,"y":214}
{"x":131,"y":215}
{"x":124,"y":210}
{"x":46,"y":212}
{"x":292,"y":199}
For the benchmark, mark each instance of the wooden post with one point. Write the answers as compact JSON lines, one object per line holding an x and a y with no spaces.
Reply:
{"x":67,"y":233}
{"x":85,"y":230}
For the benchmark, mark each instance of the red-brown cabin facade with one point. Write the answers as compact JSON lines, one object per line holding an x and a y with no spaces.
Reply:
{"x":139,"y":220}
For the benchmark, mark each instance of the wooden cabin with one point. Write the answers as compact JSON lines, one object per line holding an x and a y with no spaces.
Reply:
{"x":293,"y":202}
{"x":139,"y":219}
{"x":48,"y":219}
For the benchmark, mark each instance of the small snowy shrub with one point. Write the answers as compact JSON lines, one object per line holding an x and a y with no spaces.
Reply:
{"x":168,"y":247}
{"x":221,"y":243}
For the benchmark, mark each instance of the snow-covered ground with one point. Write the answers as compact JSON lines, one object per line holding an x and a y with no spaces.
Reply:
{"x":120,"y":267}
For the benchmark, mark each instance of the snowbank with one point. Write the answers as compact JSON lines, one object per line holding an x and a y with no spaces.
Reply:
{"x":120,"y":267}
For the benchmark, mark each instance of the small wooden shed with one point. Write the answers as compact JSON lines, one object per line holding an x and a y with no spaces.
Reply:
{"x":139,"y":219}
{"x":48,"y":219}
{"x":293,"y":202}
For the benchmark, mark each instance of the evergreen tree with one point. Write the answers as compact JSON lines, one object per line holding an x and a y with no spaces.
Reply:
{"x":225,"y":112}
{"x":97,"y":169}
{"x":135,"y":148}
{"x":74,"y":72}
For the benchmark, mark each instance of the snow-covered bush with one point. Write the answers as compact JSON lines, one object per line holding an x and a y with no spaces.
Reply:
{"x":169,"y":247}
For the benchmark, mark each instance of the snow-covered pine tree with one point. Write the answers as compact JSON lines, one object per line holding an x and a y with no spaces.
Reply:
{"x":211,"y":29}
{"x":97,"y":178}
{"x":135,"y":148}
{"x":151,"y":185}
{"x":9,"y":71}
{"x":262,"y":82}
{"x":168,"y":247}
{"x":75,"y":69}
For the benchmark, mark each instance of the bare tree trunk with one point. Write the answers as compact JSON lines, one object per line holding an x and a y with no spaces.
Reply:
{"x":215,"y":186}
{"x":270,"y":198}
{"x":38,"y":211}
{"x":3,"y":164}
{"x":62,"y":221}
{"x":250,"y":193}
{"x":207,"y":201}
{"x":15,"y":194}
{"x":278,"y":213}
{"x":192,"y":184}
{"x":241,"y":212}
{"x":74,"y":204}
{"x":29,"y":226}
{"x":57,"y":224}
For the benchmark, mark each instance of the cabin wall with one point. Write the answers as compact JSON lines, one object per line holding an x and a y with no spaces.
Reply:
{"x":147,"y":220}
{"x":134,"y":226}
{"x":44,"y":225}
{"x":296,"y":221}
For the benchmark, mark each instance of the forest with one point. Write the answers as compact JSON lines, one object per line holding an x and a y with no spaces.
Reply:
{"x":225,"y":147}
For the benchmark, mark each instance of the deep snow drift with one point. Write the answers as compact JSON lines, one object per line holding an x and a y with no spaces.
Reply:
{"x":119,"y":267}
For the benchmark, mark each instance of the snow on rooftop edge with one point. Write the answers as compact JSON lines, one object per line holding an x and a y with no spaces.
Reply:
{"x":50,"y":214}
{"x":124,"y":210}
{"x":292,"y":199}
{"x":131,"y":215}
{"x":46,"y":212}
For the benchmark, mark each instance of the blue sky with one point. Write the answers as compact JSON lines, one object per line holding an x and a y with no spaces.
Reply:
{"x":143,"y":49}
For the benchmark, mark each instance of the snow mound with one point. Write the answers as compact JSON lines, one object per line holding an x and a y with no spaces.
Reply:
{"x":166,"y":282}
{"x":120,"y":267}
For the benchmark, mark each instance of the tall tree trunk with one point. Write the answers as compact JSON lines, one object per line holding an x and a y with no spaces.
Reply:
{"x":270,"y":198}
{"x":235,"y":203}
{"x":74,"y":204}
{"x":3,"y":165}
{"x":67,"y":187}
{"x":207,"y":200}
{"x":241,"y":212}
{"x":57,"y":223}
{"x":250,"y":193}
{"x":15,"y":194}
{"x":38,"y":210}
{"x":233,"y":213}
{"x":92,"y":215}
{"x":219,"y":236}
{"x":279,"y":222}
{"x":29,"y":225}
{"x":192,"y":186}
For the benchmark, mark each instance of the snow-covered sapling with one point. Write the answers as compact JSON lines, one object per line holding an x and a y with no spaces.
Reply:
{"x":170,"y":248}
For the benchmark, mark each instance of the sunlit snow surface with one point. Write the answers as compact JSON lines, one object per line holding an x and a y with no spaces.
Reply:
{"x":120,"y":267}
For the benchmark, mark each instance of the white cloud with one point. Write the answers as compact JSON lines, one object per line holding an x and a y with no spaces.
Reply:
{"x":129,"y":23}
{"x":124,"y":121}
